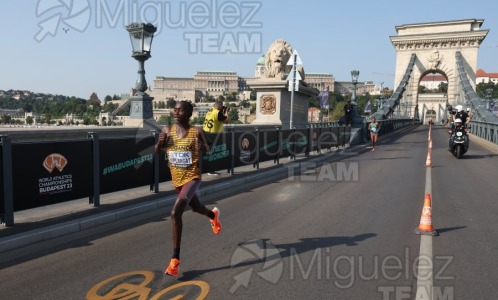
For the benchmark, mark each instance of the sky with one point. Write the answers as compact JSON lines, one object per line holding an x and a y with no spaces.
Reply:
{"x":77,"y":47}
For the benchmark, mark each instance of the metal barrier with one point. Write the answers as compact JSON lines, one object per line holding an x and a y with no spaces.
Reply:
{"x":485,"y":130}
{"x":390,"y":125}
{"x":40,"y":173}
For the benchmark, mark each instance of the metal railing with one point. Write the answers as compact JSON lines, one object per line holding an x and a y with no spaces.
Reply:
{"x":485,"y":130}
{"x":46,"y":172}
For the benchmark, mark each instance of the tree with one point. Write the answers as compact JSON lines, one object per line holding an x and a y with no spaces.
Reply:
{"x":164,"y":120}
{"x":170,"y":103}
{"x":29,"y":120}
{"x":232,"y":96}
{"x":107,"y":98}
{"x":109,"y":107}
{"x":5,"y":119}
{"x":233,"y":115}
{"x":314,"y":102}
{"x":442,"y":87}
{"x":27,"y":107}
{"x":482,"y":87}
{"x":253,"y":95}
{"x":337,"y":112}
{"x":94,"y":97}
{"x":48,"y":118}
{"x":198,"y":121}
{"x":244,"y":103}
{"x":94,"y":100}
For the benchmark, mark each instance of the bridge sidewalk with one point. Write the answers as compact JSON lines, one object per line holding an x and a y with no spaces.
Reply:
{"x":43,"y":223}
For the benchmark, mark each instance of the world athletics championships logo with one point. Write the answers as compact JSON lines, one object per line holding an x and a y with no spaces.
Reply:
{"x":54,"y":161}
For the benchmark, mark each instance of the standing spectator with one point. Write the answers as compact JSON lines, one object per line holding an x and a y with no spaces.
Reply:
{"x":215,"y":118}
{"x":183,"y":145}
{"x":348,"y":113}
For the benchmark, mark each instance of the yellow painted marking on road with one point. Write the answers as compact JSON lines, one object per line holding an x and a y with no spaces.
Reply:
{"x":134,"y":285}
{"x":201,"y":284}
{"x":122,"y":290}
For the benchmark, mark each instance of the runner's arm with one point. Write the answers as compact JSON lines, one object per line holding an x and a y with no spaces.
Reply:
{"x":163,"y":136}
{"x":202,"y":142}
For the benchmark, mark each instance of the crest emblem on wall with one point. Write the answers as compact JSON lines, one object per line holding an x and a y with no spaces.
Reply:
{"x":268,"y":104}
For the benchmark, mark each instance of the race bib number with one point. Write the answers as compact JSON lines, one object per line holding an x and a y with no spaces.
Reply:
{"x":374,"y":130}
{"x":180,"y":159}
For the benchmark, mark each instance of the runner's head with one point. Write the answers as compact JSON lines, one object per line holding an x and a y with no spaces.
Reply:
{"x":182,"y":112}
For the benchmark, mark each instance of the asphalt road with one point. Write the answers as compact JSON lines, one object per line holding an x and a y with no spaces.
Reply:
{"x":343,"y":230}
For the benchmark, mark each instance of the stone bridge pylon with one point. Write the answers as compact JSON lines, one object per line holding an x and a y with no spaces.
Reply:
{"x":435,"y":46}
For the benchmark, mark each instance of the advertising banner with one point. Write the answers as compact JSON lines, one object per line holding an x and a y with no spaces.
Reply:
{"x":315,"y":136}
{"x":335,"y":136}
{"x":125,"y":163}
{"x":294,"y":142}
{"x":48,"y":173}
{"x":268,"y":145}
{"x":2,"y":199}
{"x":219,"y":157}
{"x":325,"y":138}
{"x":245,"y":152}
{"x":346,"y":134}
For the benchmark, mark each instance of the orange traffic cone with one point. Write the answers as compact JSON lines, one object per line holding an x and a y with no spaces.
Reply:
{"x":428,"y":162}
{"x":425,"y":226}
{"x":430,"y":144}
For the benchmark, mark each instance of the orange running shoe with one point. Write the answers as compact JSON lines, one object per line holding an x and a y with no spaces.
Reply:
{"x":215,"y":223}
{"x":173,"y":267}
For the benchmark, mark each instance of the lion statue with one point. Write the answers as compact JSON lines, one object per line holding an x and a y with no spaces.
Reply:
{"x":276,"y":59}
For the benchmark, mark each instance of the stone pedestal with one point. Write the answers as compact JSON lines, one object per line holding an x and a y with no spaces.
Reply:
{"x":141,"y":111}
{"x":273,"y":103}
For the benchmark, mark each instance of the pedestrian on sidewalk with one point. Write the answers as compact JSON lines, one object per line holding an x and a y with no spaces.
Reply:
{"x":374,"y":128}
{"x":183,"y":145}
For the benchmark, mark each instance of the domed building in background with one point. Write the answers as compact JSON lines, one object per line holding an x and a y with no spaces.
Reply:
{"x":260,"y":67}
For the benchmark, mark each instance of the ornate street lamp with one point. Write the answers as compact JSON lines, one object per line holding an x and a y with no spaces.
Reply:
{"x":489,"y":92}
{"x":354,"y":76}
{"x":141,"y":36}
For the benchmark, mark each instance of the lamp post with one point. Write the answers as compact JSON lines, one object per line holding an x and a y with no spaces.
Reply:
{"x":141,"y":36}
{"x":489,"y":92}
{"x":354,"y":77}
{"x":403,"y":110}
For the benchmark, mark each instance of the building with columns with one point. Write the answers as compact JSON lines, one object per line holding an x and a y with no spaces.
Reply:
{"x":216,"y":83}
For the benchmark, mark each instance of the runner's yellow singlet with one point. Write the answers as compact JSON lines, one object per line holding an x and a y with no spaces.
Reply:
{"x":183,"y":157}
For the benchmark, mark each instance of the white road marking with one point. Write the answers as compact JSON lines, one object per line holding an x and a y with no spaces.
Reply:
{"x":425,"y":260}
